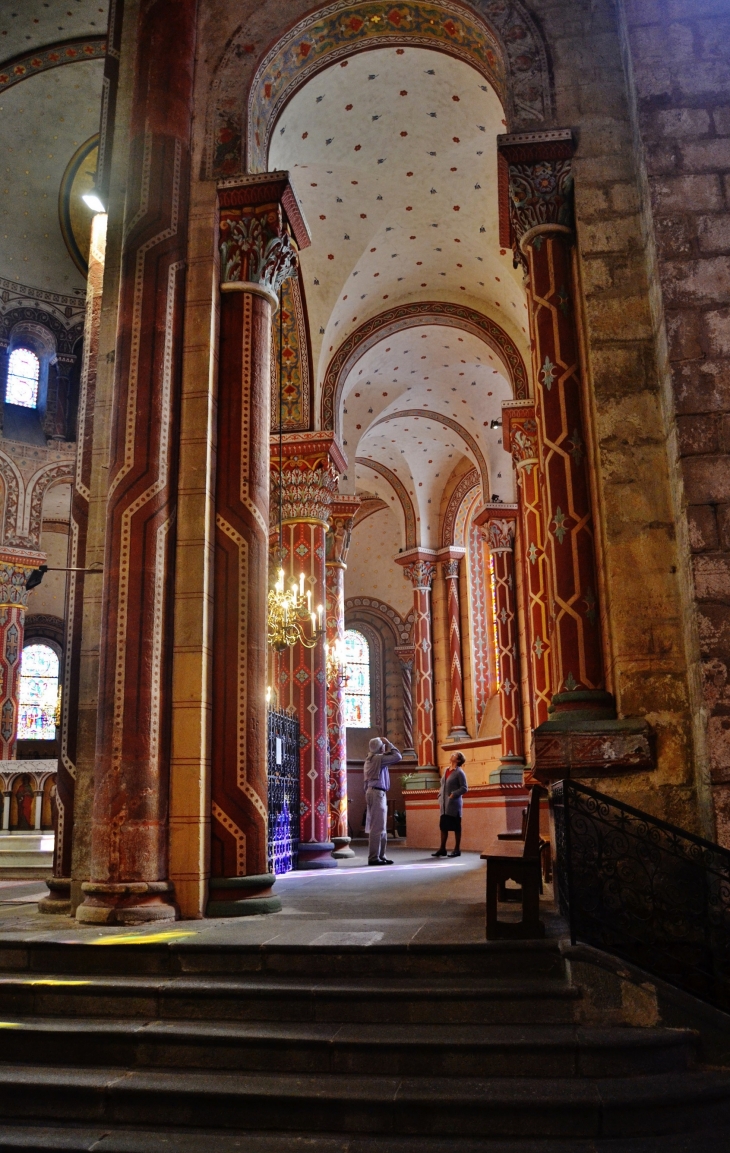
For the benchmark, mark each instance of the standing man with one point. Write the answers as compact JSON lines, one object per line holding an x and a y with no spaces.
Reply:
{"x":376,"y":779}
{"x":453,"y":787}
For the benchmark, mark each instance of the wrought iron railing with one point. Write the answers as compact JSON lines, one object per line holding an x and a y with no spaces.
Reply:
{"x":283,"y":792}
{"x":645,"y":890}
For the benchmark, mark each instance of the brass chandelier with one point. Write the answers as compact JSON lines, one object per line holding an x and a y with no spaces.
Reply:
{"x":290,"y":619}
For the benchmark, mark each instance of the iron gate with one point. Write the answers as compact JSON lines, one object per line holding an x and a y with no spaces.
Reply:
{"x":283,"y":792}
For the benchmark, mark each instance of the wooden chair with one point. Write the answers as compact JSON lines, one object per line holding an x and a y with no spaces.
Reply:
{"x":510,"y":859}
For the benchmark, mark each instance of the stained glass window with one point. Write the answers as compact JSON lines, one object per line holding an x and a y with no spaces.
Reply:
{"x":38,"y":697}
{"x":22,"y":386}
{"x":357,"y":690}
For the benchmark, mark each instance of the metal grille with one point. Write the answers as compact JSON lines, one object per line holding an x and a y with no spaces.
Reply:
{"x":283,"y":792}
{"x":643,"y":889}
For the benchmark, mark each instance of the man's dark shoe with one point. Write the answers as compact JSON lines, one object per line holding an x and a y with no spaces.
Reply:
{"x":439,"y":853}
{"x":385,"y":861}
{"x":376,"y":861}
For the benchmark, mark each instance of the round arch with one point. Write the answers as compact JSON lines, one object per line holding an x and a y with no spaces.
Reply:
{"x":463,"y":489}
{"x":439,"y":418}
{"x":400,"y":491}
{"x":416,"y":315}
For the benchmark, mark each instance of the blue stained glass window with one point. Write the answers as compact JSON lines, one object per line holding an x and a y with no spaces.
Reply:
{"x":38,"y":695}
{"x":23,"y":372}
{"x":357,"y":690}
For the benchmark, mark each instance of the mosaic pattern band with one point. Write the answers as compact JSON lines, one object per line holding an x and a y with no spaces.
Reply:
{"x":451,"y":572}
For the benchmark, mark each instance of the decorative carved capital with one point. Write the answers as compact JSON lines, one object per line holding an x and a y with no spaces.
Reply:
{"x":451,"y":569}
{"x":539,"y":179}
{"x":261,"y":227}
{"x":406,"y":655}
{"x":310,"y":464}
{"x":14,"y":570}
{"x":420,"y":573}
{"x":499,"y":534}
{"x":520,"y":433}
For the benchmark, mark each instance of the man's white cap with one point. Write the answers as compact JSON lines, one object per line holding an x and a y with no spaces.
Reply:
{"x":376,"y":745}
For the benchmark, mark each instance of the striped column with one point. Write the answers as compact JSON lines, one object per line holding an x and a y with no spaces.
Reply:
{"x":310,"y":464}
{"x":15,"y":565}
{"x":520,"y":435}
{"x":450,"y":568}
{"x":406,"y":654}
{"x":129,"y":833}
{"x":257,"y":255}
{"x":342,"y":514}
{"x":420,"y":568}
{"x":498,"y":526}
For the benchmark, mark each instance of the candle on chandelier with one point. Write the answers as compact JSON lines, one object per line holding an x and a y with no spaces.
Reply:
{"x":301,"y":584}
{"x":320,"y":610}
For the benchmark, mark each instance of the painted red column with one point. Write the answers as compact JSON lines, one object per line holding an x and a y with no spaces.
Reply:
{"x":420,"y":568}
{"x":311,"y":463}
{"x":498,"y":525}
{"x":582,"y":731}
{"x":60,"y":882}
{"x":406,"y":656}
{"x":129,"y":833}
{"x":342,"y":514}
{"x":520,"y":435}
{"x":450,"y":566}
{"x":257,"y":255}
{"x":15,"y":566}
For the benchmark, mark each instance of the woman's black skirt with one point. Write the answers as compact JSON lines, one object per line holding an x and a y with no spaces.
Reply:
{"x":450,"y":824}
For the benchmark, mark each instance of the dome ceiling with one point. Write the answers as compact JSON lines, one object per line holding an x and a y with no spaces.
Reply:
{"x":29,"y":24}
{"x":393,"y":156}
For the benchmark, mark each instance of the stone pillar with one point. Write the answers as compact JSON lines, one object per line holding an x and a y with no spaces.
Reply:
{"x":342,"y":514}
{"x":129,"y":833}
{"x":310,"y":464}
{"x":419,"y":568}
{"x":15,"y":565}
{"x":59,"y":901}
{"x":406,"y":654}
{"x":55,"y":420}
{"x":450,"y":565}
{"x":257,"y":255}
{"x":38,"y":809}
{"x":6,"y":810}
{"x":540,"y":181}
{"x":520,"y":436}
{"x":498,"y":527}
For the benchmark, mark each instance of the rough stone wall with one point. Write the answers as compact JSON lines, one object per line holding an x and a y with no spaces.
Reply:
{"x":680,"y":59}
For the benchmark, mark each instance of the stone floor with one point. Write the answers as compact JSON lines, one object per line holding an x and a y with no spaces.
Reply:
{"x":417,"y":899}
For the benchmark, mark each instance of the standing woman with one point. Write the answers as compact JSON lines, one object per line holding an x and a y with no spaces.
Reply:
{"x":453,"y":788}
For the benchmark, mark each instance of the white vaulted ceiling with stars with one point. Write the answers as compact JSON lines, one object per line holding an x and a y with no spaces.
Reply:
{"x":393,"y":156}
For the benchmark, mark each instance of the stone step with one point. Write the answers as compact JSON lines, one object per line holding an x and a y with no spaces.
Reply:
{"x":343,"y":1103}
{"x":102,"y":1139}
{"x":403,"y":1050}
{"x":493,"y":959}
{"x":267,"y":998}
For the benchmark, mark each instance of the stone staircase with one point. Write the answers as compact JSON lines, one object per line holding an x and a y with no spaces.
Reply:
{"x":386,"y":1049}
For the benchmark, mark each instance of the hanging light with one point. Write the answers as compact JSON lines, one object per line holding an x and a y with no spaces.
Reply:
{"x":335,"y":664}
{"x":290,"y":619}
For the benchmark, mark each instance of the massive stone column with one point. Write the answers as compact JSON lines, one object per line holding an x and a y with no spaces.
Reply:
{"x":257,"y":246}
{"x":15,"y":566}
{"x":129,"y":818}
{"x":582,"y":733}
{"x":419,"y":568}
{"x":450,"y":566}
{"x":60,"y":883}
{"x":310,"y":464}
{"x":520,"y":436}
{"x":498,"y":527}
{"x":406,"y":656}
{"x":342,"y":514}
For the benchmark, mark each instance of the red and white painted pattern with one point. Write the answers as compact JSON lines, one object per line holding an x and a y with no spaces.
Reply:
{"x":420,"y":572}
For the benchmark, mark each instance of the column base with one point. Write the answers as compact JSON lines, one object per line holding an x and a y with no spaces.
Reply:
{"x":59,"y":899}
{"x":242,"y":896}
{"x":510,"y":772}
{"x":425,"y":777}
{"x":342,"y":849}
{"x":576,"y":743}
{"x":316,"y":855}
{"x":458,"y":735}
{"x":130,"y":903}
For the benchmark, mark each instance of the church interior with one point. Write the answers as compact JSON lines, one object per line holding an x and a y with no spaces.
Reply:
{"x":365,"y":382}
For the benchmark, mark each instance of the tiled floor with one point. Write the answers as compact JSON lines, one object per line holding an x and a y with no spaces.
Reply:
{"x":417,"y":899}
